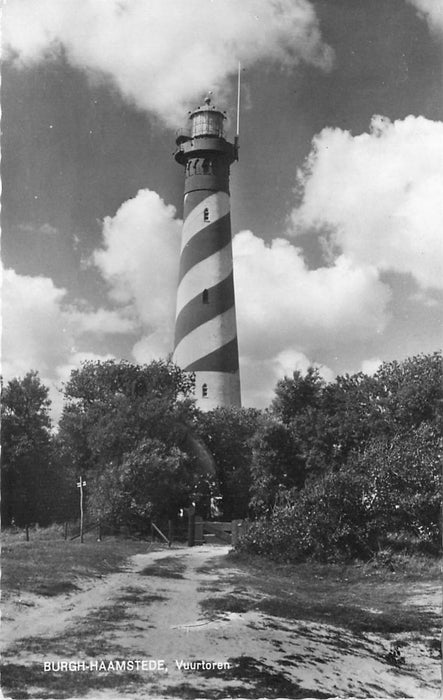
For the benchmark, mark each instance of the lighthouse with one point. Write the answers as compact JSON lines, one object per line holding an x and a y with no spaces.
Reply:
{"x":205,"y":325}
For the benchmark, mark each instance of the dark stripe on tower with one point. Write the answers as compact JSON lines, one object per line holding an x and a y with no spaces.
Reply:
{"x":195,"y":312}
{"x":224,"y":359}
{"x":193,"y":199}
{"x":204,"y":243}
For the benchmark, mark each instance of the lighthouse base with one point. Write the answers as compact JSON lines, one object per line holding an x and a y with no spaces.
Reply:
{"x":217,"y":389}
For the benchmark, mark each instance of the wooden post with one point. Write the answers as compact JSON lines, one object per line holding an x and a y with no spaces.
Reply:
{"x":170,"y":531}
{"x":65,"y":530}
{"x":99,"y":532}
{"x":80,"y":485}
{"x":27,"y":532}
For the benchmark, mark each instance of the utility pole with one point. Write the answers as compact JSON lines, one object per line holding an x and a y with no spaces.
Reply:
{"x":80,"y":485}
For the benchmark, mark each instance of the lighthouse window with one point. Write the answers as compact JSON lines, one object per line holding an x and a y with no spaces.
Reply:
{"x":205,"y":391}
{"x":205,"y":296}
{"x":206,"y":214}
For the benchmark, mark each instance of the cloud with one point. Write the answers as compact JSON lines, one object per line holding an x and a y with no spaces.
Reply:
{"x":139,"y":260}
{"x":377,"y":196}
{"x":371,"y":365}
{"x":41,"y":331}
{"x":282,"y":304}
{"x":35,"y":328}
{"x":284,"y":310}
{"x":44,"y":229}
{"x":102,"y":321}
{"x":432,"y":12}
{"x":163,"y":54}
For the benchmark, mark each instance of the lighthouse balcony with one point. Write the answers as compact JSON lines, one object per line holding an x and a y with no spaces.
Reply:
{"x":182,"y":135}
{"x":199,"y":146}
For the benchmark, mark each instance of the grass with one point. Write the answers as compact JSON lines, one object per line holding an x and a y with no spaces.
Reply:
{"x":359,"y":597}
{"x":50,"y":566}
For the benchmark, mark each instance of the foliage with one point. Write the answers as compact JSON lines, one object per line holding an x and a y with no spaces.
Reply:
{"x":127,"y":427}
{"x":333,"y":420}
{"x":294,"y":395}
{"x":227,"y":433}
{"x":152,"y":481}
{"x":28,"y":478}
{"x":277,"y":465}
{"x":402,"y":489}
{"x":393,"y":488}
{"x":112,"y":406}
{"x":333,"y":469}
{"x":411,"y":391}
{"x":324,"y":521}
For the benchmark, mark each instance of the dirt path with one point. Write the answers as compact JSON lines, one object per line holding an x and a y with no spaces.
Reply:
{"x":159,"y":609}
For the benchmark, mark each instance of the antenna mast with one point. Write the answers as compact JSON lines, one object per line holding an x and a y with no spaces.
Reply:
{"x":237,"y":136}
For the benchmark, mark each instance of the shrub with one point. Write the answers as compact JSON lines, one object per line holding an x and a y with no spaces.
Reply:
{"x":326,"y":521}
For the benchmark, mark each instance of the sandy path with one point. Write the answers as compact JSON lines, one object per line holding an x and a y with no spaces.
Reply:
{"x":159,"y":617}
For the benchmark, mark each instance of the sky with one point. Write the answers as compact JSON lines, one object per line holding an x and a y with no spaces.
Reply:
{"x":336,"y":202}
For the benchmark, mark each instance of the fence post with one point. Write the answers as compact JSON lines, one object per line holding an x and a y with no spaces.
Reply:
{"x":65,"y":530}
{"x":170,"y":531}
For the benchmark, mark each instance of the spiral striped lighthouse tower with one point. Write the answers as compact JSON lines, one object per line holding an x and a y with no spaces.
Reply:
{"x":205,"y":325}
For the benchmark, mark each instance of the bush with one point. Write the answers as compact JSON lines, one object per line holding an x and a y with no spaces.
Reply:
{"x":327,"y":521}
{"x":389,"y":494}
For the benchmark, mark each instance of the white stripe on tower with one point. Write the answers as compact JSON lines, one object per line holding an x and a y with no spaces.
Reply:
{"x":208,"y":338}
{"x":217,"y":266}
{"x":217,"y":203}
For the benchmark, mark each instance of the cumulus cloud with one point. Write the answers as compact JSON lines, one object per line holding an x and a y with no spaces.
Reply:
{"x":282,"y":304}
{"x":163,"y":54}
{"x":35,"y":328}
{"x":41,"y":331}
{"x":377,"y":196}
{"x":102,"y":321}
{"x":139,"y":260}
{"x":432,"y":12}
{"x":284,"y":309}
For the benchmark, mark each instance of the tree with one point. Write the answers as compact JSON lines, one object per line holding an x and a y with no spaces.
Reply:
{"x":27,"y":474}
{"x":293,"y":395}
{"x":111,"y":407}
{"x":411,"y":391}
{"x":227,"y":433}
{"x":152,"y":482}
{"x":402,"y":488}
{"x":333,"y":421}
{"x":277,"y":466}
{"x":127,"y":427}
